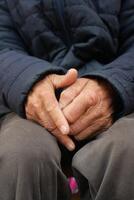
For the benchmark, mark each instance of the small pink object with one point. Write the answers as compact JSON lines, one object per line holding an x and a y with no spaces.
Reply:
{"x":73,"y":185}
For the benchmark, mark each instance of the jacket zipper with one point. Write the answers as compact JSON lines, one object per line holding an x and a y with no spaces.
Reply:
{"x":59,"y":9}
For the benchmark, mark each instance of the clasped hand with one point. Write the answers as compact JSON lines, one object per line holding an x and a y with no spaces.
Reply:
{"x":85,"y":106}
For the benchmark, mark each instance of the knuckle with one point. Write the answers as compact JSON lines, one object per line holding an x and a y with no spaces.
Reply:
{"x":32,"y":102}
{"x":29,"y":109}
{"x":50,"y":107}
{"x":36,"y":106}
{"x":93,"y":98}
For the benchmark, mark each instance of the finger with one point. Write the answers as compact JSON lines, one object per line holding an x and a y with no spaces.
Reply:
{"x":46,"y":120}
{"x":47,"y":111}
{"x":71,"y":92}
{"x":102,"y":113}
{"x":54,"y":111}
{"x":62,"y":81}
{"x":77,"y":107}
{"x":65,"y":140}
{"x":88,"y":118}
{"x":94,"y":129}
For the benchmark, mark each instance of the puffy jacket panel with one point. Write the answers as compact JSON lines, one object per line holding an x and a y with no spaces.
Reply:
{"x":59,"y":25}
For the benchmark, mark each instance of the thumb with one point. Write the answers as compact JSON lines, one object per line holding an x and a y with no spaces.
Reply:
{"x":61,"y":81}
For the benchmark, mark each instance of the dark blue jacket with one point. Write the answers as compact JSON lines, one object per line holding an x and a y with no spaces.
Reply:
{"x":51,"y":36}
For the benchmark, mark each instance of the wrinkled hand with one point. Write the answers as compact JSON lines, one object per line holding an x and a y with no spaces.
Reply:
{"x":88,"y":106}
{"x":43,"y":107}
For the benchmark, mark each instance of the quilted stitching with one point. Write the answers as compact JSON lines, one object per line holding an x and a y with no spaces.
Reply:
{"x":40,"y":17}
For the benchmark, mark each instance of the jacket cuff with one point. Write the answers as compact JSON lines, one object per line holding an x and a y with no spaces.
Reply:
{"x":34,"y":71}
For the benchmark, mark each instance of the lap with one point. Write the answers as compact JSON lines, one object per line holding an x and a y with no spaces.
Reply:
{"x":117,"y":143}
{"x":20,"y":136}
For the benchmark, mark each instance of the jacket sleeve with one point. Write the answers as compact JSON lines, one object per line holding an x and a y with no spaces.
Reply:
{"x":18,"y":70}
{"x":120,"y":72}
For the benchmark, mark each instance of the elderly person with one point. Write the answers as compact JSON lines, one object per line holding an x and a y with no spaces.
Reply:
{"x":66,"y":82}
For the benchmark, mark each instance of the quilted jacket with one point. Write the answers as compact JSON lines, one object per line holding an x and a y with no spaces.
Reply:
{"x":39,"y":37}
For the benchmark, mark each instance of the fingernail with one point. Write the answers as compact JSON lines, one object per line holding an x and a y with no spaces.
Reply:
{"x":64,"y":130}
{"x":71,"y":146}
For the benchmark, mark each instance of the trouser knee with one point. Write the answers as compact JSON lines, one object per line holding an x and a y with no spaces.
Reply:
{"x":29,"y":162}
{"x":26,"y":149}
{"x":109,"y":158}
